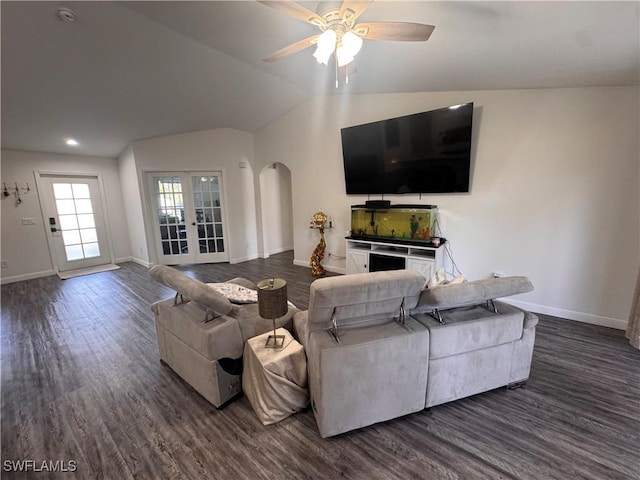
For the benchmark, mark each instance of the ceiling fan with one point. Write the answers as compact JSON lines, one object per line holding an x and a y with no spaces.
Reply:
{"x":339,"y":32}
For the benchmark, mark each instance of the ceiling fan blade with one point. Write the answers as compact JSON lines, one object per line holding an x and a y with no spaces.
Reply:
{"x":296,"y":11}
{"x":293,"y":48}
{"x":352,"y":9}
{"x":402,"y":31}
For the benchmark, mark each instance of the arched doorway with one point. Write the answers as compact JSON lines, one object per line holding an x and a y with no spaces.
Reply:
{"x":277,"y":208}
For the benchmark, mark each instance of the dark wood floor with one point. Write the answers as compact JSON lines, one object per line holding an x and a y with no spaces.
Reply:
{"x":82,"y":382}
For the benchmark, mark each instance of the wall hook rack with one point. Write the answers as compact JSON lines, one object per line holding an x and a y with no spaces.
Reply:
{"x":16,"y":191}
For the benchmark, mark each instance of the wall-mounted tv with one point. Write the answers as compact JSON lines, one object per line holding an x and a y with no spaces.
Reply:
{"x":427,"y":152}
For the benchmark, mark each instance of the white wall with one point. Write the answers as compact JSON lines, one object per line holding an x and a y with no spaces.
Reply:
{"x":224,"y":150}
{"x":277,"y":213}
{"x":132,"y":196}
{"x":25,"y":247}
{"x":554,"y":192}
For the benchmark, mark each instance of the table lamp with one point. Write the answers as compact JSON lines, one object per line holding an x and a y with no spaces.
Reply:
{"x":272,"y":303}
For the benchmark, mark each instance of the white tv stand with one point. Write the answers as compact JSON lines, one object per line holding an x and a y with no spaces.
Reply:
{"x":385,"y":255}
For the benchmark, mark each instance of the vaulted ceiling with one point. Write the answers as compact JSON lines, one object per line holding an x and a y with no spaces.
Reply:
{"x":129,"y":70}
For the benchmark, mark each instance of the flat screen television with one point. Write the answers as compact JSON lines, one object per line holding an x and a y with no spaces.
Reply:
{"x":427,"y":152}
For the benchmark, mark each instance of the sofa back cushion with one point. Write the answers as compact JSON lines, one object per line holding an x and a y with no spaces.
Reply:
{"x":443,"y":297}
{"x":192,"y":289}
{"x":362,"y":297}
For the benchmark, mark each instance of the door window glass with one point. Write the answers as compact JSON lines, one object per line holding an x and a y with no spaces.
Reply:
{"x":208,"y":214}
{"x":170,"y":211}
{"x":75,"y":213}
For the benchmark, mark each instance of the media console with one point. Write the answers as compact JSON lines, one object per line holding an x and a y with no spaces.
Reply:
{"x":374,"y":255}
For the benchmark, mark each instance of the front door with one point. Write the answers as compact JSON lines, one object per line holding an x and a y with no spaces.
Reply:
{"x":75,"y":221}
{"x":188,"y":217}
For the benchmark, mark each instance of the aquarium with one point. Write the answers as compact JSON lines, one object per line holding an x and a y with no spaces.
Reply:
{"x":413,"y":224}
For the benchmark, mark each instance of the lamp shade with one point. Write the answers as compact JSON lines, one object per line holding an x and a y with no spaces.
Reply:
{"x":272,"y":298}
{"x":352,"y":42}
{"x":326,"y":44}
{"x":343,"y":57}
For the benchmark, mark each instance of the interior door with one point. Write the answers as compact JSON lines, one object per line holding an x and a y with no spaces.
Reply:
{"x":75,"y":221}
{"x":189,"y":217}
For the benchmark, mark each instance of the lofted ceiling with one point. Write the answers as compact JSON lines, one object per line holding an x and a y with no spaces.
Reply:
{"x":129,"y":70}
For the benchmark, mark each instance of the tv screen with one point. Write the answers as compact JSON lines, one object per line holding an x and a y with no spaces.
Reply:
{"x":427,"y":152}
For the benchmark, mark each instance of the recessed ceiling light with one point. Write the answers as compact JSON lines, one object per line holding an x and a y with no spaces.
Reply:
{"x":71,"y":142}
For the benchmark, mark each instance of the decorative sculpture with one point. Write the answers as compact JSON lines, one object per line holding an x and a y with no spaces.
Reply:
{"x":318,"y":222}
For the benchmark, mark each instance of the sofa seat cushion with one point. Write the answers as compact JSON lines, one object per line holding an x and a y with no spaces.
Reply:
{"x":218,"y":338}
{"x":472,"y":328}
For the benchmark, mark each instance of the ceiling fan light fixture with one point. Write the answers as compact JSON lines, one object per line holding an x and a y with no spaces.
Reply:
{"x":326,"y":44}
{"x":322,"y":56}
{"x":341,"y":36}
{"x":343,"y":56}
{"x":352,"y":43}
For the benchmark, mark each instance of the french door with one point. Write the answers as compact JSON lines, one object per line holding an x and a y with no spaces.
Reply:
{"x":75,"y":221}
{"x":188,"y":217}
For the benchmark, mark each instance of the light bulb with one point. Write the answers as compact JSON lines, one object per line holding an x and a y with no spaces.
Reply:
{"x":322,"y":56}
{"x":352,"y":42}
{"x":343,"y":55}
{"x":326,"y":45}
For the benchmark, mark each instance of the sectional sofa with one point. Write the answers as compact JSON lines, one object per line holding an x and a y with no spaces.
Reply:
{"x":380,"y":346}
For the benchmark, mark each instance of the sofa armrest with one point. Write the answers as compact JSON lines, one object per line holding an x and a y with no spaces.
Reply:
{"x":530,"y":320}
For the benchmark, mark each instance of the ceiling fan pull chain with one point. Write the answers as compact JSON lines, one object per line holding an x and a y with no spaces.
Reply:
{"x":336,"y":71}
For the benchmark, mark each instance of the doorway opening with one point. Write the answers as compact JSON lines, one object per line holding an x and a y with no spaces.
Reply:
{"x":277,"y":209}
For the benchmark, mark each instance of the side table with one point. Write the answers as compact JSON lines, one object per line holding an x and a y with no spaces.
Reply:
{"x":275,"y":380}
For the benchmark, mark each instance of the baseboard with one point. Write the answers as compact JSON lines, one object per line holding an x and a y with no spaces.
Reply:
{"x":26,"y":276}
{"x":139,"y":261}
{"x":328,"y":268}
{"x":279,"y":250}
{"x":570,"y":314}
{"x":275,"y":252}
{"x":243,"y":259}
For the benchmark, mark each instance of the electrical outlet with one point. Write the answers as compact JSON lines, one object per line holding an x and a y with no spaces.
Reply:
{"x":4,"y":264}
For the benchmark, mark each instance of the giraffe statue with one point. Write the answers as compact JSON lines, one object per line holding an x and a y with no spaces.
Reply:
{"x":318,"y":222}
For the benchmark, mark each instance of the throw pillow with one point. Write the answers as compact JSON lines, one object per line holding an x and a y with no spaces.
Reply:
{"x":438,"y":278}
{"x":458,"y":279}
{"x":235,"y":293}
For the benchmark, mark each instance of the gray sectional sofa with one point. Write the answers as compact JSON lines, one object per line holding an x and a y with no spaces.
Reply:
{"x":379,"y":346}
